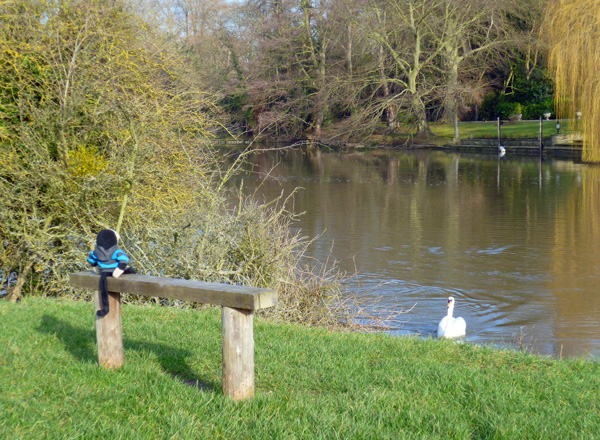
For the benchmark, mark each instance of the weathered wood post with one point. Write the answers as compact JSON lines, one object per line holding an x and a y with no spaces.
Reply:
{"x":541,"y":140}
{"x":498,"y":132}
{"x":109,"y":332}
{"x":238,"y":352}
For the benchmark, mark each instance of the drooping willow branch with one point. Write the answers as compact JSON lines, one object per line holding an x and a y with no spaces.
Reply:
{"x":572,"y":30}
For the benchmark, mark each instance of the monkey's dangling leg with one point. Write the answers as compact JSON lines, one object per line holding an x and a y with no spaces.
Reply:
{"x":103,"y":296}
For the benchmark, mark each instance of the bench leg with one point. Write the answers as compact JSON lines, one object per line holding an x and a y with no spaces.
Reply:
{"x":109,"y":333}
{"x":238,"y":353}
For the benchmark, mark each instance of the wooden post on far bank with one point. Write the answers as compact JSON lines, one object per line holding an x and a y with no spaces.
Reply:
{"x":109,"y":333}
{"x":498,"y":133}
{"x":541,"y":142}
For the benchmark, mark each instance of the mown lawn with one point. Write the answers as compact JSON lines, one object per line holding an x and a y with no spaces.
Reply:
{"x":311,"y":383}
{"x":514,"y":130}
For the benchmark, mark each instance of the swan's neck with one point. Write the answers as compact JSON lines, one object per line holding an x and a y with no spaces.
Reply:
{"x":450,"y":310}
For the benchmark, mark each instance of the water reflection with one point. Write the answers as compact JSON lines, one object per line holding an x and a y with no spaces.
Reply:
{"x":515,"y":241}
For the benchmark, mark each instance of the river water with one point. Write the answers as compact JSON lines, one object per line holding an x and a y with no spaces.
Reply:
{"x":515,"y":241}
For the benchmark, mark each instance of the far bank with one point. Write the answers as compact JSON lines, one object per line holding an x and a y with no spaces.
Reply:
{"x":559,"y":139}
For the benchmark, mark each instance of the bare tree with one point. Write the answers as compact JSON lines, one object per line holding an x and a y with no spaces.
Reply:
{"x":406,"y":30}
{"x":467,"y":29}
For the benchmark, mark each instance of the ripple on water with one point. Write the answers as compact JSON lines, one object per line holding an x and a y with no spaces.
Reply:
{"x":494,"y":250}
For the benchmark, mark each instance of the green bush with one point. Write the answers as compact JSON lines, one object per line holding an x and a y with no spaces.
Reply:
{"x":530,"y":95}
{"x":496,"y":106}
{"x":536,"y":111}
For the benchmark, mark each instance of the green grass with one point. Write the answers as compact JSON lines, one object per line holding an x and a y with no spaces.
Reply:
{"x":311,"y":383}
{"x":516,"y":130}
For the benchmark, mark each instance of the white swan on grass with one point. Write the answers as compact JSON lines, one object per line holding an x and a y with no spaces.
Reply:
{"x":450,"y":327}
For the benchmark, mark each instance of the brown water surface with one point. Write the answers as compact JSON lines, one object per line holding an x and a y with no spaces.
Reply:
{"x":516,"y":242}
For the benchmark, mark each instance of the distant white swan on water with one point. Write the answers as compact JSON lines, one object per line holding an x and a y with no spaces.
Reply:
{"x":450,"y":327}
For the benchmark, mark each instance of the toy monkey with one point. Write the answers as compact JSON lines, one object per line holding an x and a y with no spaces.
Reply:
{"x":108,"y":259}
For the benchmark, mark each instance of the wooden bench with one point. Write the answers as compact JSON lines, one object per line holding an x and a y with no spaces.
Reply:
{"x":238,"y":305}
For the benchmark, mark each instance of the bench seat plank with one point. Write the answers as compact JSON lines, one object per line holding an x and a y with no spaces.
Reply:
{"x":225,"y":295}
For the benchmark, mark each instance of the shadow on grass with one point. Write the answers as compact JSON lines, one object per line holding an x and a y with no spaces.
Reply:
{"x":80,"y":342}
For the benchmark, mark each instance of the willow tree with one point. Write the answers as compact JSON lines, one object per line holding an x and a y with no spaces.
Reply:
{"x":573,"y":34}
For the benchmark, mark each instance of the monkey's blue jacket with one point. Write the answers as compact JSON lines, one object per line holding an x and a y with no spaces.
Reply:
{"x":108,"y":259}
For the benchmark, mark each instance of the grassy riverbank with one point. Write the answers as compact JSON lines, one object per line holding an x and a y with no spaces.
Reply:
{"x":311,"y":383}
{"x":443,"y":132}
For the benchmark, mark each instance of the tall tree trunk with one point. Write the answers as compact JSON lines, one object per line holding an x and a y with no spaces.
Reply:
{"x":420,"y":117}
{"x":390,"y":109}
{"x":418,"y":107}
{"x":318,"y":61}
{"x":451,"y":104}
{"x":456,"y":134}
{"x":452,"y":60}
{"x":349,"y":50}
{"x":319,"y":123}
{"x":321,"y":98}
